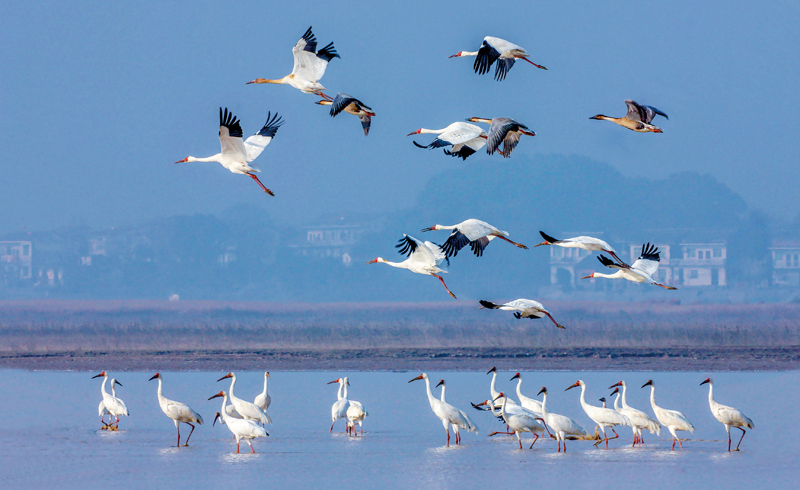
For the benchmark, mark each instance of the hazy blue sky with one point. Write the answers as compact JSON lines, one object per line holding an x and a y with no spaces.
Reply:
{"x":99,"y":98}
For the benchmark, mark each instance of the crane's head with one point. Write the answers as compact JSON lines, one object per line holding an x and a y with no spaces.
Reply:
{"x":707,"y":380}
{"x":616,"y":390}
{"x":421,"y":376}
{"x":457,"y":55}
{"x":115,"y":382}
{"x":337,"y":380}
{"x":499,"y":396}
{"x":101,"y":375}
{"x":493,"y":370}
{"x":432,"y":228}
{"x":590,"y":276}
{"x":415,"y":132}
{"x":649,"y":383}
{"x":218,"y":395}
{"x":543,"y":390}
{"x":155,"y":376}
{"x":266,"y":375}
{"x":229,"y":375}
{"x":187,"y":159}
{"x":440,"y":383}
{"x":516,"y":376}
{"x":621,"y":383}
{"x":577,"y":383}
{"x":602,"y":399}
{"x":375,"y":261}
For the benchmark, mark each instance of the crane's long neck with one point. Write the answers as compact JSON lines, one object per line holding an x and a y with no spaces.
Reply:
{"x":616,"y":275}
{"x":103,"y":387}
{"x":544,"y":408}
{"x":711,"y":400}
{"x":399,"y":265}
{"x":344,"y":394}
{"x":624,"y":399}
{"x":519,"y":391}
{"x":160,"y":393}
{"x":113,"y":390}
{"x":583,"y":397}
{"x":442,"y":396}
{"x":653,"y":397}
{"x":492,"y":388}
{"x":339,"y":393}
{"x":617,"y":407}
{"x":233,"y":383}
{"x":467,"y":53}
{"x":213,"y":158}
{"x":224,"y":413}
{"x":503,"y":407}
{"x":265,"y":385}
{"x":431,"y":131}
{"x":431,"y":399}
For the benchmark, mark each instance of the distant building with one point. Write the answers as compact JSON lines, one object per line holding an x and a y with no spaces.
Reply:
{"x":331,"y":241}
{"x":703,"y":264}
{"x":785,"y":263}
{"x":15,"y":260}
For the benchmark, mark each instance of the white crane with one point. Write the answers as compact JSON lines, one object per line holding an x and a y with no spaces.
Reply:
{"x":465,"y":139}
{"x":641,"y":271}
{"x":309,"y":66}
{"x":503,"y":130}
{"x":473,"y":232}
{"x":423,"y":258}
{"x":111,"y":404}
{"x":671,"y":419}
{"x":496,"y":49}
{"x":355,"y":412}
{"x":523,"y":308}
{"x":102,"y":410}
{"x":236,"y":153}
{"x":619,"y":409}
{"x":520,"y":422}
{"x":448,"y":414}
{"x":339,"y":408}
{"x":728,"y":416}
{"x":263,"y":400}
{"x":350,"y":105}
{"x":560,"y":424}
{"x":443,"y":399}
{"x":178,"y":412}
{"x":529,"y":403}
{"x":639,"y":420}
{"x":637,"y":119}
{"x":248,"y":410}
{"x":603,"y":417}
{"x":583,"y":242}
{"x":241,"y":428}
{"x":493,"y":387}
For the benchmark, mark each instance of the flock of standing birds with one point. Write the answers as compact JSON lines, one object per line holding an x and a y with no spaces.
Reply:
{"x":247,"y":420}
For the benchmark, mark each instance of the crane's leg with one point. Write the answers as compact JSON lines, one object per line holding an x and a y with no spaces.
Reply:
{"x":324,"y":96}
{"x":553,"y":320}
{"x":511,"y":242}
{"x":186,"y":442}
{"x":117,"y":417}
{"x":362,"y":428}
{"x":445,"y":286}
{"x":331,"y":431}
{"x":615,"y":434}
{"x":251,"y":445}
{"x":728,"y":429}
{"x":262,"y":185}
{"x":740,"y":440}
{"x":531,"y":62}
{"x":178,"y":426}
{"x":618,"y":259}
{"x":237,"y":447}
{"x":519,"y":439}
{"x":448,"y":436}
{"x":102,"y":421}
{"x":565,"y":443}
{"x":535,"y":438}
{"x":665,"y":287}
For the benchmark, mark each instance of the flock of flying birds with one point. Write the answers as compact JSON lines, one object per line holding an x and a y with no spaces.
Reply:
{"x":247,"y":420}
{"x":459,"y":139}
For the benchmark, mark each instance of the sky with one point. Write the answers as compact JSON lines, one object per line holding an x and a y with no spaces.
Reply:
{"x":100,"y":98}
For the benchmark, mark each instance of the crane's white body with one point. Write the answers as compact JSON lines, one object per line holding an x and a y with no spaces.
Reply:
{"x":465,"y":139}
{"x":110,"y":404}
{"x":673,"y":420}
{"x":241,"y":428}
{"x":263,"y":400}
{"x":603,"y":417}
{"x":248,"y":410}
{"x":496,"y":49}
{"x":473,"y":232}
{"x":560,"y":424}
{"x":423,"y":258}
{"x":639,"y":420}
{"x":340,"y":406}
{"x":448,"y":414}
{"x":640,"y":271}
{"x":527,"y":308}
{"x":526,"y":402}
{"x":355,"y":415}
{"x":587,"y":243}
{"x":178,"y":412}
{"x":727,"y":416}
{"x":520,"y":420}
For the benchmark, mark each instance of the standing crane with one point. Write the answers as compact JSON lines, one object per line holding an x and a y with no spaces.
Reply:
{"x":248,"y":410}
{"x":529,"y":403}
{"x":241,"y":428}
{"x":111,"y":404}
{"x":560,"y":424}
{"x":603,"y":417}
{"x":639,"y":420}
{"x":178,"y":412}
{"x":671,"y":419}
{"x":263,"y":400}
{"x":728,"y":416}
{"x":499,"y":50}
{"x":520,"y":422}
{"x":236,"y":153}
{"x":423,"y":258}
{"x":340,"y":406}
{"x":448,"y":414}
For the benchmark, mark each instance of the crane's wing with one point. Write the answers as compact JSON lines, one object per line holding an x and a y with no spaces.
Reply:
{"x":455,"y":242}
{"x":183,"y":412}
{"x":643,"y":113}
{"x":503,"y":65}
{"x":438,"y":254}
{"x":255,"y":144}
{"x":487,"y":55}
{"x":464,"y":150}
{"x":479,"y":245}
{"x":648,"y":260}
{"x":459,"y":133}
{"x":230,"y":134}
{"x":308,"y":63}
{"x":340,"y":102}
{"x":407,"y":245}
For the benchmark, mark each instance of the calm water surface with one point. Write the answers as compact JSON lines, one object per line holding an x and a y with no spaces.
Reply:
{"x":49,"y":435}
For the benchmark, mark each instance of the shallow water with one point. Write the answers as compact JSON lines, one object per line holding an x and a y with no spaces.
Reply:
{"x":49,"y":434}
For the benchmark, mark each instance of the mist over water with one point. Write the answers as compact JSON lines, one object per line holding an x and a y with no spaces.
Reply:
{"x":49,"y":434}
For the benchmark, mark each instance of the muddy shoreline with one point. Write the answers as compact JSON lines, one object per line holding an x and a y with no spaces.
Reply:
{"x":417,"y":359}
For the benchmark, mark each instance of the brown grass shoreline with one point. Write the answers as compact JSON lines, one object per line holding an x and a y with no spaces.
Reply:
{"x":201,"y":335}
